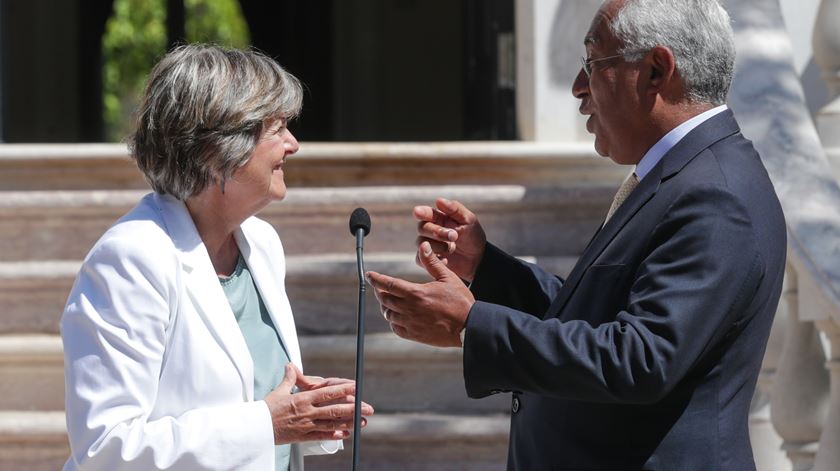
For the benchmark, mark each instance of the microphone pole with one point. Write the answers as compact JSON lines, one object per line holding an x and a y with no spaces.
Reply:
{"x":359,"y":227}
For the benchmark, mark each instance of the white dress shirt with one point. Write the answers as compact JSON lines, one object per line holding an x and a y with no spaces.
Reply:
{"x":655,"y":154}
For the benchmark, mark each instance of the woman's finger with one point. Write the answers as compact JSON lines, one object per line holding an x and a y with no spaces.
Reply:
{"x":289,"y":379}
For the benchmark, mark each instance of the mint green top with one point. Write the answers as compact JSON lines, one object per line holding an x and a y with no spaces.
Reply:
{"x":266,"y":346}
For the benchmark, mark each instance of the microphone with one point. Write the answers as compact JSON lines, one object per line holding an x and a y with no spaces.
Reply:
{"x":359,"y":227}
{"x":360,"y":219}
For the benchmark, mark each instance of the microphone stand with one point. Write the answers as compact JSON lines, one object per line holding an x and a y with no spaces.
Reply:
{"x":360,"y":347}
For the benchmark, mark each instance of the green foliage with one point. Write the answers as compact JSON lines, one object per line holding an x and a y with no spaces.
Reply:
{"x":135,"y":38}
{"x":216,"y":21}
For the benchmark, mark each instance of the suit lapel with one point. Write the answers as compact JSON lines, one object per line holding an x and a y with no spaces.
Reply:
{"x":270,"y":281}
{"x":700,"y":138}
{"x":641,"y":195}
{"x":201,"y":285}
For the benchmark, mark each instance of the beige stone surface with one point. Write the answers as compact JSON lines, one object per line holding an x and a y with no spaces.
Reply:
{"x":108,"y":167}
{"x":527,"y":220}
{"x":38,"y":442}
{"x":323,"y":290}
{"x":400,"y":376}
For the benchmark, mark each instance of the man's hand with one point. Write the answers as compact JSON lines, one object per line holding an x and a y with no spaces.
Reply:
{"x":323,"y":410}
{"x":433,"y":313}
{"x":454,"y":234}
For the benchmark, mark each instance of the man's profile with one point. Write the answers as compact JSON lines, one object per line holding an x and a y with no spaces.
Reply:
{"x":647,"y":355}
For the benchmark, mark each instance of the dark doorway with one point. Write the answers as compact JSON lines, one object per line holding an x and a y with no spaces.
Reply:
{"x":374,"y":70}
{"x":386,"y":70}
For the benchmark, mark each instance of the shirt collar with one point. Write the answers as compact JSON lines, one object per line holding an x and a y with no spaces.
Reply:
{"x":655,"y":154}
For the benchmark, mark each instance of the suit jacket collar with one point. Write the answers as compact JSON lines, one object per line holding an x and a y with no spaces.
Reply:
{"x":700,"y":138}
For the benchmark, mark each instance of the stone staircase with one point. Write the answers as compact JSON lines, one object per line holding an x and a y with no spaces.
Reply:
{"x":541,"y":201}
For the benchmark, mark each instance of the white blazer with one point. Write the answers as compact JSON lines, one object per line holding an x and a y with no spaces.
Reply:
{"x":157,"y":372}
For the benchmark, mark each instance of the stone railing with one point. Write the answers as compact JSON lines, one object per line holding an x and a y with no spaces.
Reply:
{"x":826,"y":45}
{"x":799,"y":387}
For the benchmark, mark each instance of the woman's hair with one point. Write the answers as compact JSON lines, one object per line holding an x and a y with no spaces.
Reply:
{"x":203,"y":112}
{"x":699,"y":34}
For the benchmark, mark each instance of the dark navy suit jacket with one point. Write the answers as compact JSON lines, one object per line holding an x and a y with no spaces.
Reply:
{"x":646,"y":357}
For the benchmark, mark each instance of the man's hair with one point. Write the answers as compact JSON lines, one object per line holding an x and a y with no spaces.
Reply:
{"x":203,"y":113}
{"x":699,"y":34}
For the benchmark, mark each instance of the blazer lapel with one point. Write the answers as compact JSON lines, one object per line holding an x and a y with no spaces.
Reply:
{"x":201,"y":285}
{"x":270,"y":281}
{"x":700,"y":138}
{"x":641,"y":195}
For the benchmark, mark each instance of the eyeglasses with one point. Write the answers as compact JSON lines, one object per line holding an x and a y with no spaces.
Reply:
{"x":587,"y":63}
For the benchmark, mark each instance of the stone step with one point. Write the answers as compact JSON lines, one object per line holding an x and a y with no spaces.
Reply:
{"x":32,"y":441}
{"x":322,"y":290}
{"x":108,"y":167}
{"x":548,"y":220}
{"x":36,"y":441}
{"x":420,"y":442}
{"x":400,"y":376}
{"x":31,"y":373}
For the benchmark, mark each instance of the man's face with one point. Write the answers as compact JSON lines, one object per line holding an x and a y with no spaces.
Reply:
{"x":611,"y":95}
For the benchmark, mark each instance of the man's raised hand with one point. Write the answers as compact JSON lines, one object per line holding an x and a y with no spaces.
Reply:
{"x":454,"y":234}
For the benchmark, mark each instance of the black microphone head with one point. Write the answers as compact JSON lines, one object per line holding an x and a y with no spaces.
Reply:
{"x":360,"y":219}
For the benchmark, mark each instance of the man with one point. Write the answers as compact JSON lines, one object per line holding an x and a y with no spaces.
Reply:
{"x":646,"y":357}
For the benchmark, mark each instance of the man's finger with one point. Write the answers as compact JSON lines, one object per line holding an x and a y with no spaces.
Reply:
{"x":433,"y":265}
{"x":395,"y":318}
{"x":389,"y":284}
{"x":434,"y":231}
{"x":424,"y":213}
{"x":400,"y":331}
{"x":419,"y":262}
{"x":386,"y":299}
{"x":438,"y":247}
{"x":455,"y":210}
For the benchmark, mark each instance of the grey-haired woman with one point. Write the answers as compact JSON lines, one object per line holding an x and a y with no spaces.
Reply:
{"x":179,"y":342}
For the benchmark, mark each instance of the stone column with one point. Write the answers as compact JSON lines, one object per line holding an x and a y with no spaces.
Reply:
{"x":828,"y":456}
{"x":799,"y":398}
{"x":549,"y":43}
{"x":826,"y":43}
{"x":766,"y":443}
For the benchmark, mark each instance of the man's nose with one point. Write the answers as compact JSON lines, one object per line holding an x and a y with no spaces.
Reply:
{"x":580,"y":87}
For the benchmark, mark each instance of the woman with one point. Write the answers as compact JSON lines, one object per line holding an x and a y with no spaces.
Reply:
{"x":178,"y":327}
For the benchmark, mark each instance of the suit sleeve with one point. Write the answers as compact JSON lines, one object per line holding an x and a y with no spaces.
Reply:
{"x":508,"y":281}
{"x":114,"y":332}
{"x":700,"y":273}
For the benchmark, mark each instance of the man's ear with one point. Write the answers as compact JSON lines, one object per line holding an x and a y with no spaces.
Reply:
{"x":663,"y":67}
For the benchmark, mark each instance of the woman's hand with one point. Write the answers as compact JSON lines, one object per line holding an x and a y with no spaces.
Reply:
{"x":308,"y":383}
{"x":322,"y":410}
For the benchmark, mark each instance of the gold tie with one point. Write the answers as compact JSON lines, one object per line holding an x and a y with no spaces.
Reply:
{"x":624,"y":191}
